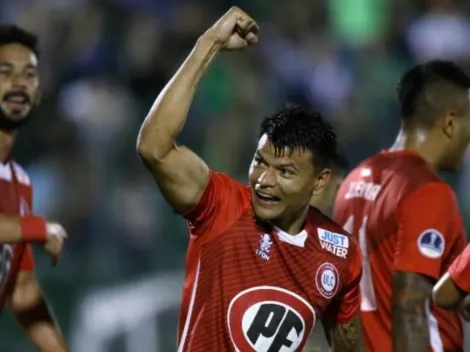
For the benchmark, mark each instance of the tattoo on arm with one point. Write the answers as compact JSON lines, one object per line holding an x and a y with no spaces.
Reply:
{"x":409,"y":320}
{"x":345,"y":337}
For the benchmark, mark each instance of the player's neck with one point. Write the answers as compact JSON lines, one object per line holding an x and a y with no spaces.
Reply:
{"x":416,"y":140}
{"x":294,"y":224}
{"x":7,"y":138}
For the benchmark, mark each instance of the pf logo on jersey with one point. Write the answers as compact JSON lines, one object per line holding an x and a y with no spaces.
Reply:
{"x":269,"y":319}
{"x":327,"y":280}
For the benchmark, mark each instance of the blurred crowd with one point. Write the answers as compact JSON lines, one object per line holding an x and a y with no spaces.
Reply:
{"x":103,"y":62}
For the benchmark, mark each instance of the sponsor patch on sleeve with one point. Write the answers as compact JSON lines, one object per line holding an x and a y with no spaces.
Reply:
{"x":431,"y":243}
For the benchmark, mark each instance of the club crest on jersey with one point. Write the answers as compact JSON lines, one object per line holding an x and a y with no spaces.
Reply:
{"x":431,"y":243}
{"x":327,"y":280}
{"x":268,"y":318}
{"x":334,"y":242}
{"x":265,"y":244}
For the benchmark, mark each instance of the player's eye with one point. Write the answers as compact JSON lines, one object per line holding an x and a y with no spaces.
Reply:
{"x":286,"y":172}
{"x":31,"y":74}
{"x":5,"y":72}
{"x":258,"y":161}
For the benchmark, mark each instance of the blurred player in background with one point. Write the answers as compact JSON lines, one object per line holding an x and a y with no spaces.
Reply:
{"x":257,"y":278}
{"x":407,"y":219}
{"x":326,"y":200}
{"x":453,"y":288}
{"x":19,"y":289}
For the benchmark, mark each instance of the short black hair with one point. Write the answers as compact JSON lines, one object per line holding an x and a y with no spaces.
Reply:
{"x":12,"y":34}
{"x":430,"y":89}
{"x":298,"y":127}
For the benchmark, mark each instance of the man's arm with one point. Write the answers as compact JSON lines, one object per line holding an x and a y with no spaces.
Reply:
{"x":29,"y":306}
{"x":27,"y":228}
{"x":426,"y":221}
{"x":452,"y":290}
{"x":409,"y":321}
{"x":447,"y":295}
{"x":345,"y":337}
{"x":341,"y":321}
{"x":179,"y":173}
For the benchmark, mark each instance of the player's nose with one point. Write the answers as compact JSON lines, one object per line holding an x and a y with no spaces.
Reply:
{"x":267,"y":178}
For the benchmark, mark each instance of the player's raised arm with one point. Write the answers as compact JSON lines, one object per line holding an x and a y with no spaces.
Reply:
{"x":180,"y":174}
{"x":453,"y":288}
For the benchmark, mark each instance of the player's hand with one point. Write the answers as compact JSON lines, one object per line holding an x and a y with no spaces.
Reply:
{"x":235,"y":30}
{"x":56,"y":236}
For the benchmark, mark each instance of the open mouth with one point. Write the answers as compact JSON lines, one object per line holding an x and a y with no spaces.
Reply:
{"x":16,"y":100}
{"x":267,"y":198}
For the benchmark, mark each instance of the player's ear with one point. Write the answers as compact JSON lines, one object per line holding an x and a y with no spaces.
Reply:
{"x":38,"y":98}
{"x":322,"y":181}
{"x":449,"y":125}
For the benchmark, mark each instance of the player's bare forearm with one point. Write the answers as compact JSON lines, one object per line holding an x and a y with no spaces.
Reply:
{"x":447,"y":295}
{"x":347,"y":337}
{"x":409,"y":321}
{"x":33,"y":313}
{"x":10,"y":229}
{"x":167,"y":116}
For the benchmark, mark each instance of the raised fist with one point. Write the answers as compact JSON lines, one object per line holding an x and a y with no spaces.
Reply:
{"x":56,"y":236}
{"x":235,"y":30}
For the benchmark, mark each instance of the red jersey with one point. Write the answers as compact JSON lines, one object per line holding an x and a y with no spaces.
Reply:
{"x":459,"y":270}
{"x":406,"y":219}
{"x":15,"y":199}
{"x":253,"y":289}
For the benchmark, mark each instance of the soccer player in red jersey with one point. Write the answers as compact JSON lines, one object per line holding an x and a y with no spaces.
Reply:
{"x":262,"y":266}
{"x":407,"y":219}
{"x":19,"y":288}
{"x":453,"y":288}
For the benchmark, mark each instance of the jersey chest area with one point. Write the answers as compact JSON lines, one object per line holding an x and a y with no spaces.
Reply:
{"x":273,"y":292}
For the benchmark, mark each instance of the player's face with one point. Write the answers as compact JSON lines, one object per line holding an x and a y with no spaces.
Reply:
{"x":326,"y":200}
{"x":282,"y":186}
{"x":19,"y":85}
{"x":457,"y":129}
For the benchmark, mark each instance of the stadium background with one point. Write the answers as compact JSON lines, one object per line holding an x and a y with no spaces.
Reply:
{"x":102,"y":64}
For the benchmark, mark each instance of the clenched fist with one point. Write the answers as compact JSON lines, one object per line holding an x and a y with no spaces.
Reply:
{"x":56,"y":236}
{"x":235,"y":30}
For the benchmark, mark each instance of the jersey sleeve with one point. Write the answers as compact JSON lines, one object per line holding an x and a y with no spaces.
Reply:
{"x":220,"y":205}
{"x":426,"y":221}
{"x":27,"y":259}
{"x":347,"y":304}
{"x":459,"y":270}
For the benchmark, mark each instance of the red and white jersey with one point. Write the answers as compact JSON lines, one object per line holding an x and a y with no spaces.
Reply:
{"x":252,"y":289}
{"x":15,"y":199}
{"x":459,"y":270}
{"x":406,"y":219}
